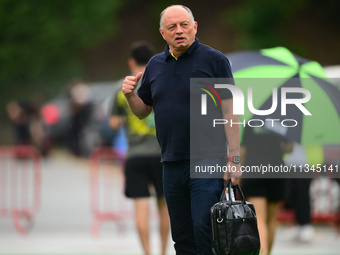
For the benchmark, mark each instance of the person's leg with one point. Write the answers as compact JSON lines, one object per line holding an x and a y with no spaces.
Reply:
{"x":302,"y":201}
{"x":205,"y":193}
{"x":164,"y":223}
{"x":142,"y":211}
{"x":175,"y":180}
{"x":276,"y":189}
{"x":272,"y":222}
{"x":137,"y":187}
{"x":303,"y":210}
{"x":260,"y":204}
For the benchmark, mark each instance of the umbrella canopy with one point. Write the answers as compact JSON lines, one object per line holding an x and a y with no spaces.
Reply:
{"x":315,"y":120}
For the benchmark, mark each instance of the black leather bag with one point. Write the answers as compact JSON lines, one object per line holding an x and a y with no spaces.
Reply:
{"x":234,"y":226}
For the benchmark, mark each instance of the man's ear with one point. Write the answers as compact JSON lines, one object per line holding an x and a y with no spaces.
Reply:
{"x":162,"y":33}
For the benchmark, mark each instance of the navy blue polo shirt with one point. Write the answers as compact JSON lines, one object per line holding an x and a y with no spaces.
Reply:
{"x":166,"y":87}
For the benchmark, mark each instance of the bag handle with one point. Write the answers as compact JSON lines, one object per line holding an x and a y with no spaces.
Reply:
{"x":228,"y":185}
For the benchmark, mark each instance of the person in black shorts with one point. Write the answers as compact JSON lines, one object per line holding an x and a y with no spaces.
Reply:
{"x":143,"y":169}
{"x":261,"y":147}
{"x":140,"y":172}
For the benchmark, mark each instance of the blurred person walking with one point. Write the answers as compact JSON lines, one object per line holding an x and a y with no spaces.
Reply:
{"x":165,"y":89}
{"x":298,"y":191}
{"x":80,"y":114}
{"x":262,"y":147}
{"x":143,"y":166}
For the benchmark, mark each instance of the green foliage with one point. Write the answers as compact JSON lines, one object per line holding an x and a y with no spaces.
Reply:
{"x":258,"y":22}
{"x":41,"y":41}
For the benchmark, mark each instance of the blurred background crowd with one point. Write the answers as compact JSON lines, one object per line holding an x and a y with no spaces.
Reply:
{"x":60,"y":59}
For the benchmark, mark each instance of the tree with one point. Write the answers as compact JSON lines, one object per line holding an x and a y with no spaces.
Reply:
{"x":41,"y":41}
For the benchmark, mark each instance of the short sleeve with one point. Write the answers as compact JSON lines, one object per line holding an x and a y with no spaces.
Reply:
{"x":144,"y":92}
{"x":224,"y":71}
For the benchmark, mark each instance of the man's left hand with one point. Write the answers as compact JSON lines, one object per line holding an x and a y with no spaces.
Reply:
{"x":233,"y":172}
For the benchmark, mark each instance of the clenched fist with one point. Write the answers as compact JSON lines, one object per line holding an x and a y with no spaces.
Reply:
{"x":130,"y":83}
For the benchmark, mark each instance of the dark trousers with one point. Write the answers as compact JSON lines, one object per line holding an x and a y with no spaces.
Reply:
{"x":300,"y":200}
{"x":189,"y":201}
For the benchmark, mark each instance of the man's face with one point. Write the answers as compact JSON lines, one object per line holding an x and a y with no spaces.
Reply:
{"x":179,"y":30}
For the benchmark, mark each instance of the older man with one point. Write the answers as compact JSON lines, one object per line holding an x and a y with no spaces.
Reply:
{"x":165,"y":89}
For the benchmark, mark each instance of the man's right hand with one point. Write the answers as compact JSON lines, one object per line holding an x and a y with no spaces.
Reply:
{"x":136,"y":104}
{"x":130,"y":83}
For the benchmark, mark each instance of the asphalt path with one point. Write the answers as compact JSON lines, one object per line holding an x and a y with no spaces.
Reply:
{"x":63,"y":224}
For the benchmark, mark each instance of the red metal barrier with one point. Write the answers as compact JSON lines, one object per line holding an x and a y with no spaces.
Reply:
{"x":20,"y":180}
{"x":106,"y":185}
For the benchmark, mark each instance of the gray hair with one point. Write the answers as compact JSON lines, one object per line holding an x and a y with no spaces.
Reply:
{"x":177,"y":5}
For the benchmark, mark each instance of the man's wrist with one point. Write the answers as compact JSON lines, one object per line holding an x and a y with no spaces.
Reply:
{"x":130,"y":94}
{"x":234,"y":159}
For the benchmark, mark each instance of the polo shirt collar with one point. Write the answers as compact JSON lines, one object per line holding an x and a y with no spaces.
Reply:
{"x":189,"y":51}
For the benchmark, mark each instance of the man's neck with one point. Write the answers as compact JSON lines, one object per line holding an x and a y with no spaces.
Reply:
{"x":176,"y":53}
{"x":180,"y":51}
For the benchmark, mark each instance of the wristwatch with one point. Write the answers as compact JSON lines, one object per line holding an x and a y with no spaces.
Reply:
{"x":235,"y":159}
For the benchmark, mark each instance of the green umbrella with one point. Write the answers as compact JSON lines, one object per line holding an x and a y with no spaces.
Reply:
{"x":280,"y":68}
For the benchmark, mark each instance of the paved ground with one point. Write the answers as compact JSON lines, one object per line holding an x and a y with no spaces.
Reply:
{"x":63,"y":223}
